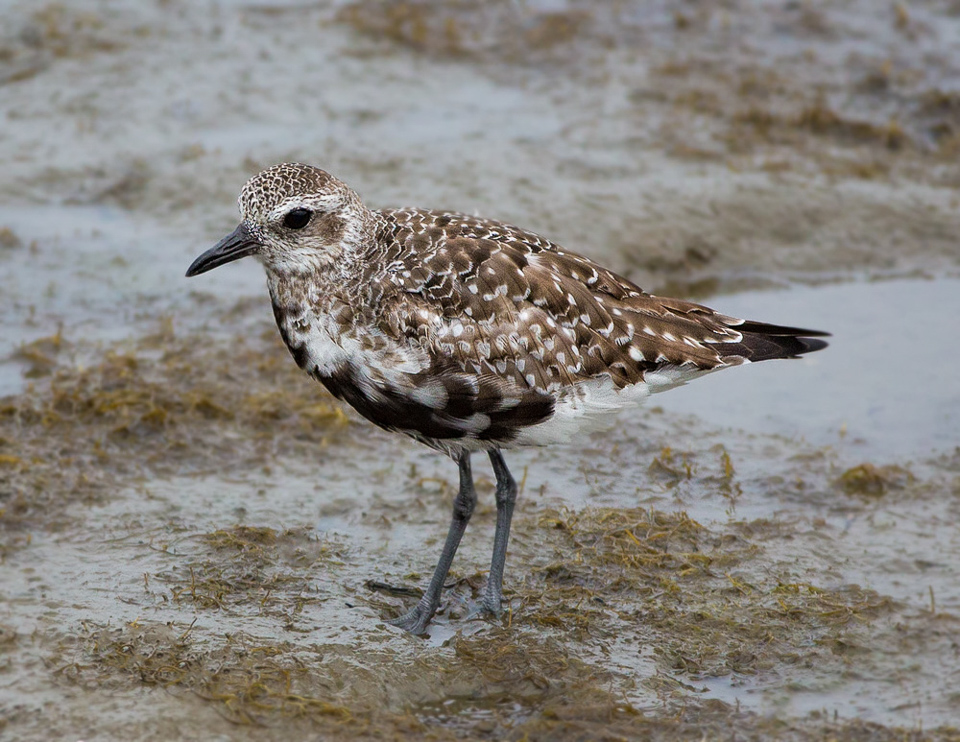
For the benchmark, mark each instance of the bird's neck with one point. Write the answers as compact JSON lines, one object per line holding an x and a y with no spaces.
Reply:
{"x":302,"y":292}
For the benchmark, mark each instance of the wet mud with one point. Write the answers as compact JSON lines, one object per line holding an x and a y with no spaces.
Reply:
{"x":196,"y":541}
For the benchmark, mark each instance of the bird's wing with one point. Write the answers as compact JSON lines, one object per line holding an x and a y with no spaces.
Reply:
{"x":493,"y":298}
{"x":507,"y":323}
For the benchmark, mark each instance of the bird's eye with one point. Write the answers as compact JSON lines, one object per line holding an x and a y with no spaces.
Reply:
{"x":297,"y":218}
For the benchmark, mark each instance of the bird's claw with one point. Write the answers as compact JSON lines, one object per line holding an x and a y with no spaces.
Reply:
{"x":414,"y":622}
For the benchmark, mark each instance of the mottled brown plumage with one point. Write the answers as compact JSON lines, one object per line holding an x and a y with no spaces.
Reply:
{"x":469,"y":334}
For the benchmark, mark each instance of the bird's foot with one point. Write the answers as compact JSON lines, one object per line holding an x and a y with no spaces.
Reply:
{"x":416,"y":621}
{"x":490,"y":606}
{"x":492,"y":601}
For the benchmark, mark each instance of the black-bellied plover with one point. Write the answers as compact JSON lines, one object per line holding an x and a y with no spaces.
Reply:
{"x":469,"y":334}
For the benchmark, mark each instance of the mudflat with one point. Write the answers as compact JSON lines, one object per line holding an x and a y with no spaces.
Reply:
{"x":196,"y":540}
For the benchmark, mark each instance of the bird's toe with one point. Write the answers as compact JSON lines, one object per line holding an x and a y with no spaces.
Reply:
{"x":414,"y":622}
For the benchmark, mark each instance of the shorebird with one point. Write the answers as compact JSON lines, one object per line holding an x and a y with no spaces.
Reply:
{"x":469,"y":334}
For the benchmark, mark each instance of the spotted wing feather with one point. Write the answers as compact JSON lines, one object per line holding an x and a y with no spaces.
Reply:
{"x":495,"y":299}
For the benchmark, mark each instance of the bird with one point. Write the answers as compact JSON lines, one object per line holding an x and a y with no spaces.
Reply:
{"x":469,"y":334}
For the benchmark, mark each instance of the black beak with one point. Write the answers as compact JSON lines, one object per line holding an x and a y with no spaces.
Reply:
{"x":238,"y":244}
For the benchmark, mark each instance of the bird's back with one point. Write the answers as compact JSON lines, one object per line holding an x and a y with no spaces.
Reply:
{"x":489,"y":295}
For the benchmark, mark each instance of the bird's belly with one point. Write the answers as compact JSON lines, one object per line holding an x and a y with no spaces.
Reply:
{"x":593,"y":405}
{"x":589,"y":406}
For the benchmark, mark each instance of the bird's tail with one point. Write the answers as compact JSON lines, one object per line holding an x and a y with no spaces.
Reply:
{"x":764,"y":342}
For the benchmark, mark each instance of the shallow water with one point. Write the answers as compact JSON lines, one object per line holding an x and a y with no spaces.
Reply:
{"x":886,"y":389}
{"x":188,"y":526}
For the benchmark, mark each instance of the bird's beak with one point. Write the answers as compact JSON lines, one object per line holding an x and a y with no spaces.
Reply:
{"x":238,"y":244}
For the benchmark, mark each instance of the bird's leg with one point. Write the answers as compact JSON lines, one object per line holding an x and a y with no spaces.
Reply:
{"x":416,"y":620}
{"x":506,"y":498}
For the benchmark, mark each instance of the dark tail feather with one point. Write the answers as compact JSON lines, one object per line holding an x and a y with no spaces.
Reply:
{"x":763,"y":342}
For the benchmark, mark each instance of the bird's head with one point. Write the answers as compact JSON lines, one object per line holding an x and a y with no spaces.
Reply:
{"x":295,"y":218}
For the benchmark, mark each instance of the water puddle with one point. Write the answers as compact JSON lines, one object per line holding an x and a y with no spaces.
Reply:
{"x":886,"y":387}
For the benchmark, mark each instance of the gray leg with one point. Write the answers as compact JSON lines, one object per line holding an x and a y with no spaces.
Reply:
{"x":506,"y":498}
{"x":416,"y":620}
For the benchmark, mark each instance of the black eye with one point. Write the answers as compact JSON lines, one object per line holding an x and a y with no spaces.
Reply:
{"x":297,"y":218}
